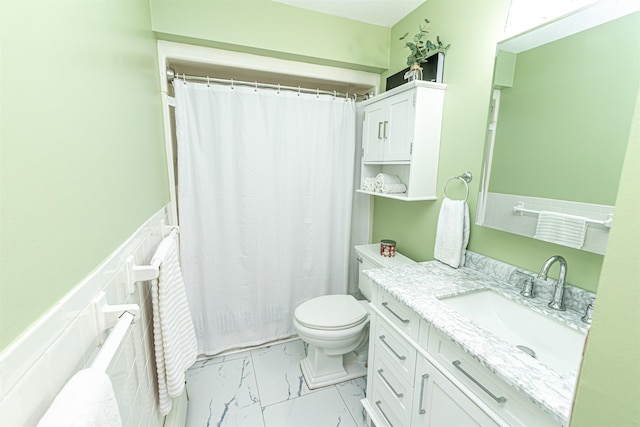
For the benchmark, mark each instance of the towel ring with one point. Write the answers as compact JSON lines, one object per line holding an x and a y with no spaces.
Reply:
{"x":465,"y":178}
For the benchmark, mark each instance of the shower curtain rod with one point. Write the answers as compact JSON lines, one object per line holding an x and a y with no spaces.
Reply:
{"x":172,"y":75}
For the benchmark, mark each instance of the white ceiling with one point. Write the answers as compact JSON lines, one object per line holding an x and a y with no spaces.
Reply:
{"x":379,"y":12}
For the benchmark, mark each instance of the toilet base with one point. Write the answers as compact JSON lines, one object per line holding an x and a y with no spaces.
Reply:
{"x":321,"y":370}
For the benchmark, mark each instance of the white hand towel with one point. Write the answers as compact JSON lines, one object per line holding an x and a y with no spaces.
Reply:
{"x":176,"y":348}
{"x":452,"y":234}
{"x":86,"y":400}
{"x":393,"y":188}
{"x":562,"y":229}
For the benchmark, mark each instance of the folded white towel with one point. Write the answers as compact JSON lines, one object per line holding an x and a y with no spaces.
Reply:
{"x":562,"y":229}
{"x":383,"y":182}
{"x":393,"y":188}
{"x":86,"y":400}
{"x":369,"y":184}
{"x":176,"y":348}
{"x":452,"y":234}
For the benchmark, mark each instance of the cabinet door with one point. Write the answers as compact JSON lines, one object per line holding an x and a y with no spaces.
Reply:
{"x":373,"y":131}
{"x":439,"y":403}
{"x":398,"y":128}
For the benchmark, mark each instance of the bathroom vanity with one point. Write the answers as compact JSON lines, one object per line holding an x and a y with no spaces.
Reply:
{"x":431,"y":363}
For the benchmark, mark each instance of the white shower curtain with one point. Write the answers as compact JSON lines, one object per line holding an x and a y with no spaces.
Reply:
{"x":265,"y":187}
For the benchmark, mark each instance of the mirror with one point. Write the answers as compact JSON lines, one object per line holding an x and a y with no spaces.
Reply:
{"x":560,"y":120}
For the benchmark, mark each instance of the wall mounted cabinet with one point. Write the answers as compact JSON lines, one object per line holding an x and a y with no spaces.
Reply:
{"x":401,"y":136}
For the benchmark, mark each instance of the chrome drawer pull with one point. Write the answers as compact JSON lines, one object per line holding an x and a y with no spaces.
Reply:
{"x":391,"y":348}
{"x":382,"y":412}
{"x":500,"y":399}
{"x":389,"y":384}
{"x":422,"y":384}
{"x":386,"y":305}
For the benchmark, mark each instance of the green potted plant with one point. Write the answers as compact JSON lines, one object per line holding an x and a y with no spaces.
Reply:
{"x":420,"y":48}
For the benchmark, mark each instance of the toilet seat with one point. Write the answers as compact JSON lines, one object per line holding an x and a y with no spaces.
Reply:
{"x":331,"y":312}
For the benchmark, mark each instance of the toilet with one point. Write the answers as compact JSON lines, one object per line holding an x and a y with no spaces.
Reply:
{"x":336,"y":327}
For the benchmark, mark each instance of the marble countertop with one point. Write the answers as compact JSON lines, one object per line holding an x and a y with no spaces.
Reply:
{"x":419,"y":286}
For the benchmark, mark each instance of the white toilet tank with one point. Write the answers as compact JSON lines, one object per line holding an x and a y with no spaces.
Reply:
{"x":369,"y":257}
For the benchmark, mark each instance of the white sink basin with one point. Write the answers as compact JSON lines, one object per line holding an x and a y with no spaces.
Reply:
{"x":555,"y":344}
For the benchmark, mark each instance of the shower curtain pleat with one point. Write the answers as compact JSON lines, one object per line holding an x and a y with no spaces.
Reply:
{"x":265,"y":187}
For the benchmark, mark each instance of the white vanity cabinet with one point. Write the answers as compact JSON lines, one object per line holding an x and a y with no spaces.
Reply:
{"x":401,"y":136}
{"x":404,"y":388}
{"x":419,"y":377}
{"x":439,"y":403}
{"x":486,"y":388}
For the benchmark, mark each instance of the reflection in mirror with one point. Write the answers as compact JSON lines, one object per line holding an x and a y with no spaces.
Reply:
{"x":558,"y":129}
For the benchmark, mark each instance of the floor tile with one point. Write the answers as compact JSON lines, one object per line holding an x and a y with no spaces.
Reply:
{"x":278,"y":374}
{"x":322,"y":408}
{"x":223,"y":394}
{"x":352,"y":392}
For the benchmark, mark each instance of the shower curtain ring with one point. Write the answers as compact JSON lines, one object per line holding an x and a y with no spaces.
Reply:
{"x":208,"y":85}
{"x":298,"y":90}
{"x":184,"y":78}
{"x":231,"y":83}
{"x":278,"y":88}
{"x":317,"y":93}
{"x":256,"y":89}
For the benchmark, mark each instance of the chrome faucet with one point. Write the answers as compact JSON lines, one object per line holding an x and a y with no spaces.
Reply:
{"x":558,"y":291}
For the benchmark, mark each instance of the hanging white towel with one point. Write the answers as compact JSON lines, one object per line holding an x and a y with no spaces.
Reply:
{"x":562,"y":229}
{"x":174,"y":336}
{"x":86,"y":400}
{"x":452,"y":234}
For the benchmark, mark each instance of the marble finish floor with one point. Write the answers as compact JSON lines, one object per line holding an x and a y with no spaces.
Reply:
{"x":264,"y":388}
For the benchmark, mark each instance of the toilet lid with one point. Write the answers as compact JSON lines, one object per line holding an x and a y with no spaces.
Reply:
{"x":331,"y":312}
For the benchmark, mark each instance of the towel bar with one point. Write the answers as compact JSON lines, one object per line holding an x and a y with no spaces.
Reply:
{"x":107,"y":315}
{"x":519,"y":208}
{"x":110,"y":347}
{"x":143,"y":273}
{"x":466,"y":178}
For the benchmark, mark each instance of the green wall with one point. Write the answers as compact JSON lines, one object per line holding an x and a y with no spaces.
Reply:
{"x":273,"y":29}
{"x":472,"y":28}
{"x":82,"y":146}
{"x":609,"y":384}
{"x":569,"y":109}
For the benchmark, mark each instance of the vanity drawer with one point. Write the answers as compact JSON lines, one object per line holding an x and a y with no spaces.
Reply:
{"x":399,"y":314}
{"x":387,"y":410}
{"x":395,"y":349}
{"x":397,"y":393}
{"x":504,"y":400}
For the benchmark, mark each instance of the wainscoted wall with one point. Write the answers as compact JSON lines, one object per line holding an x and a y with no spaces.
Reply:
{"x":36,"y":366}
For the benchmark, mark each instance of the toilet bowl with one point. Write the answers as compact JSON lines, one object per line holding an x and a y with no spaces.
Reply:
{"x":336,"y":328}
